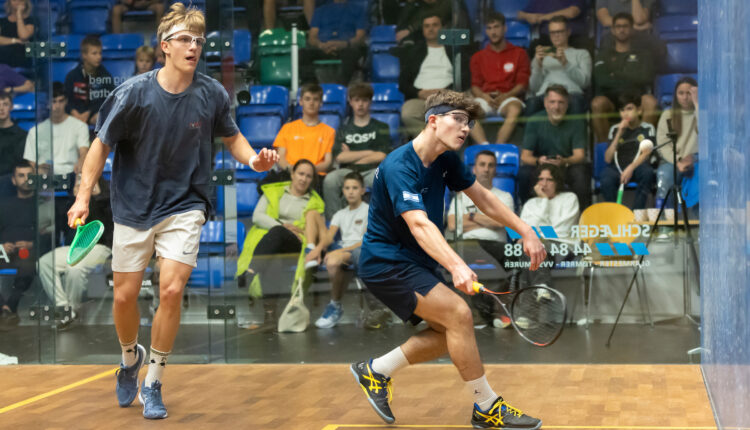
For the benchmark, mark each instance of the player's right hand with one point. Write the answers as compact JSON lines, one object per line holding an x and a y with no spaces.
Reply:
{"x":534,"y":248}
{"x":78,"y":210}
{"x":463,"y":279}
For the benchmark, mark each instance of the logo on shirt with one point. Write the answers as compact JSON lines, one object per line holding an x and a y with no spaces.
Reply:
{"x":195,"y":125}
{"x":424,"y":190}
{"x":508,"y":67}
{"x":359,"y":221}
{"x":445,"y":172}
{"x":410,"y":197}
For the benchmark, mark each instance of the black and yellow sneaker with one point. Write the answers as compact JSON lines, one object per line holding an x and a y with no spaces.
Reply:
{"x":377,"y":388}
{"x":503,"y":416}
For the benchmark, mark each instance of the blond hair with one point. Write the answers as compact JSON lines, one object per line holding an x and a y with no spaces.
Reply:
{"x":26,"y":8}
{"x":191,"y":17}
{"x":147,"y":51}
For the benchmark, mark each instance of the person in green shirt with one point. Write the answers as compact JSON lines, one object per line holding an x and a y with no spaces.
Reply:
{"x":362,"y":142}
{"x":551,"y":138}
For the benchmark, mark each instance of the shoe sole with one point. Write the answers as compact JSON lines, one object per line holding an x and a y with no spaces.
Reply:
{"x":140,"y":399}
{"x":538,"y":426}
{"x":137,"y":383}
{"x":384,"y":417}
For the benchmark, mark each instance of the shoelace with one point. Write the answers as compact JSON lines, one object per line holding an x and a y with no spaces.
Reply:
{"x":154,"y":394}
{"x":510,"y":409}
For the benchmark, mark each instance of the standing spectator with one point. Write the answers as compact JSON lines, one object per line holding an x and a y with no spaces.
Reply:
{"x":17,"y":230}
{"x":89,"y":83}
{"x":362,"y":142}
{"x":620,"y":69}
{"x":352,"y":222}
{"x":559,"y":64}
{"x":337,"y":32}
{"x":118,"y":10}
{"x":65,"y":284}
{"x":680,"y":123}
{"x":16,"y":28}
{"x":13,"y":82}
{"x":306,"y":138}
{"x":70,"y":137}
{"x":144,"y":59}
{"x":499,"y":76}
{"x":412,"y":14}
{"x":551,"y":138}
{"x":625,"y":138}
{"x":541,"y":12}
{"x":12,"y":141}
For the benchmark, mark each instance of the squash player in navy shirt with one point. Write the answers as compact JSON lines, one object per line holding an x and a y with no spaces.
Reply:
{"x":404,"y":245}
{"x":161,"y":126}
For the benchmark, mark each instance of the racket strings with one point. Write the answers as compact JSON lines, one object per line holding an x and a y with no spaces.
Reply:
{"x":539,"y":314}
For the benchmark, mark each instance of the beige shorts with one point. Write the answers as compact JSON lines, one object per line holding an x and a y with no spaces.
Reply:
{"x":176,"y":238}
{"x":488,"y":109}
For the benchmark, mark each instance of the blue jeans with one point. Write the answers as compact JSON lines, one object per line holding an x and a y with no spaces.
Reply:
{"x":643,"y":176}
{"x":665,"y":179}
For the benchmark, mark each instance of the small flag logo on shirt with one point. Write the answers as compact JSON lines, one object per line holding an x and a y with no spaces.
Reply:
{"x":411,"y":197}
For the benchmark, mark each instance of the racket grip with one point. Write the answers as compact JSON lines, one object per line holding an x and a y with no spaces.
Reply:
{"x":619,"y":195}
{"x":77,"y":222}
{"x":478,"y":287}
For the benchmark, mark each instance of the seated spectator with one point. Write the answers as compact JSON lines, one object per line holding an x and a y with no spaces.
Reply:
{"x":337,"y":32}
{"x":352,"y":222}
{"x":362,"y":142}
{"x":541,"y":12}
{"x":551,"y":138}
{"x":306,"y":138}
{"x":119,"y":9}
{"x":89,"y":83}
{"x":625,"y":138}
{"x":620,"y":69}
{"x":13,"y":82}
{"x":16,"y":28}
{"x":499,"y":76}
{"x":559,"y":64}
{"x":65,"y":284}
{"x":270,"y":11}
{"x":12,"y":142}
{"x":478,"y":226}
{"x":144,"y":59}
{"x":554,"y":207}
{"x":18,"y":221}
{"x":640,"y":10}
{"x":678,"y":124}
{"x":287,"y":219}
{"x":70,"y":137}
{"x":411,"y":17}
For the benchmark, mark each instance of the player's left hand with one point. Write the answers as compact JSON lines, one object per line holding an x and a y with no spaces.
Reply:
{"x":264,"y":160}
{"x":534,"y":248}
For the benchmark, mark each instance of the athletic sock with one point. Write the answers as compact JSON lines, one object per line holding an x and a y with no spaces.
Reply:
{"x":129,"y":352}
{"x":156,"y":365}
{"x":390,"y":363}
{"x":484,"y":397}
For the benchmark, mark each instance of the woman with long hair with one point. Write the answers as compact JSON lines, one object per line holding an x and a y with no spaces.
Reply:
{"x":16,"y":28}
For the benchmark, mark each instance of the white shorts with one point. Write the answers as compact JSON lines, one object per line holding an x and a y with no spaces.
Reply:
{"x":488,"y":109}
{"x":175,"y":238}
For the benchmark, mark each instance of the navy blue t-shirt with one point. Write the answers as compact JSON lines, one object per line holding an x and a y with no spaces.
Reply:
{"x":162,"y":144}
{"x":401,"y":184}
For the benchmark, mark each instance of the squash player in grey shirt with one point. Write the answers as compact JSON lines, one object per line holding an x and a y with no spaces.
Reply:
{"x":161,"y":126}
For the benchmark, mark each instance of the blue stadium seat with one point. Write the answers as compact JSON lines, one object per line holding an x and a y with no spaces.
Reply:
{"x":212,"y":271}
{"x":26,"y":125}
{"x":24,"y":107}
{"x":260,"y":130}
{"x":393,"y":119}
{"x":121,"y":70}
{"x":386,"y":98}
{"x":506,"y":184}
{"x":678,"y":7}
{"x":61,"y":68}
{"x":243,"y":40}
{"x":681,"y":56}
{"x":599,"y":163}
{"x":121,"y":46}
{"x":331,"y":119}
{"x":240,"y":48}
{"x":518,"y":33}
{"x":509,"y":8}
{"x":664,"y":87}
{"x":247,"y":198}
{"x":107,"y":171}
{"x":382,"y":38}
{"x":243,"y":172}
{"x":677,"y":27}
{"x":212,"y":237}
{"x":385,"y":68}
{"x":267,"y":100}
{"x":89,"y":16}
{"x":72,"y":45}
{"x":508,"y":157}
{"x":472,"y":9}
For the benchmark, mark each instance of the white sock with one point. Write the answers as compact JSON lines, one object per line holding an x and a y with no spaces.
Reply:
{"x":129,"y":352}
{"x":310,"y":246}
{"x":390,"y":363}
{"x":484,"y":397}
{"x":156,"y":365}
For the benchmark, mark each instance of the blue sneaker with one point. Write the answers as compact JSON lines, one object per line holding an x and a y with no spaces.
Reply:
{"x":150,"y":398}
{"x":127,"y":379}
{"x":331,"y":316}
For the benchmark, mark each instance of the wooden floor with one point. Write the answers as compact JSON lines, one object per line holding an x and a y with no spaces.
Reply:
{"x":325,"y":397}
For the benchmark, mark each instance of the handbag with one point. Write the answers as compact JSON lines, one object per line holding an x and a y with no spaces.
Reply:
{"x":296,"y":316}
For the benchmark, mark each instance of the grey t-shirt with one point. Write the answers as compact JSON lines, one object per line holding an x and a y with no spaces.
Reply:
{"x":616,"y":6}
{"x":162,"y":144}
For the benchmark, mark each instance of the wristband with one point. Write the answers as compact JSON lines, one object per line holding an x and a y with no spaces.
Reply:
{"x":250,"y":162}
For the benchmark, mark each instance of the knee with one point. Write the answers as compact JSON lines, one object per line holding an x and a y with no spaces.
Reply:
{"x":513,"y":110}
{"x":171,"y":294}
{"x":124,"y":298}
{"x":601,"y":104}
{"x":460,"y":315}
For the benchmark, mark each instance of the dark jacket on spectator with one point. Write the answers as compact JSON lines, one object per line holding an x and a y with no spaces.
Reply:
{"x":616,"y":72}
{"x":411,"y":58}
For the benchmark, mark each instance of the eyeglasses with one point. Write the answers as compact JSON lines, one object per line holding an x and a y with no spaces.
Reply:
{"x":460,"y":118}
{"x":558,"y":32}
{"x":187,"y":40}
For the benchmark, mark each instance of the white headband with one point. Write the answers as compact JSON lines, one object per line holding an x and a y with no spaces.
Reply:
{"x":175,"y":29}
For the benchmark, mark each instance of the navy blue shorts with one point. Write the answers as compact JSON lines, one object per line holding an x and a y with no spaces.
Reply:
{"x":396,"y":288}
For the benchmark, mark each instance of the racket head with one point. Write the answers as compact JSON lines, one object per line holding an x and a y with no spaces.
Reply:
{"x":538,"y":314}
{"x":86,"y":238}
